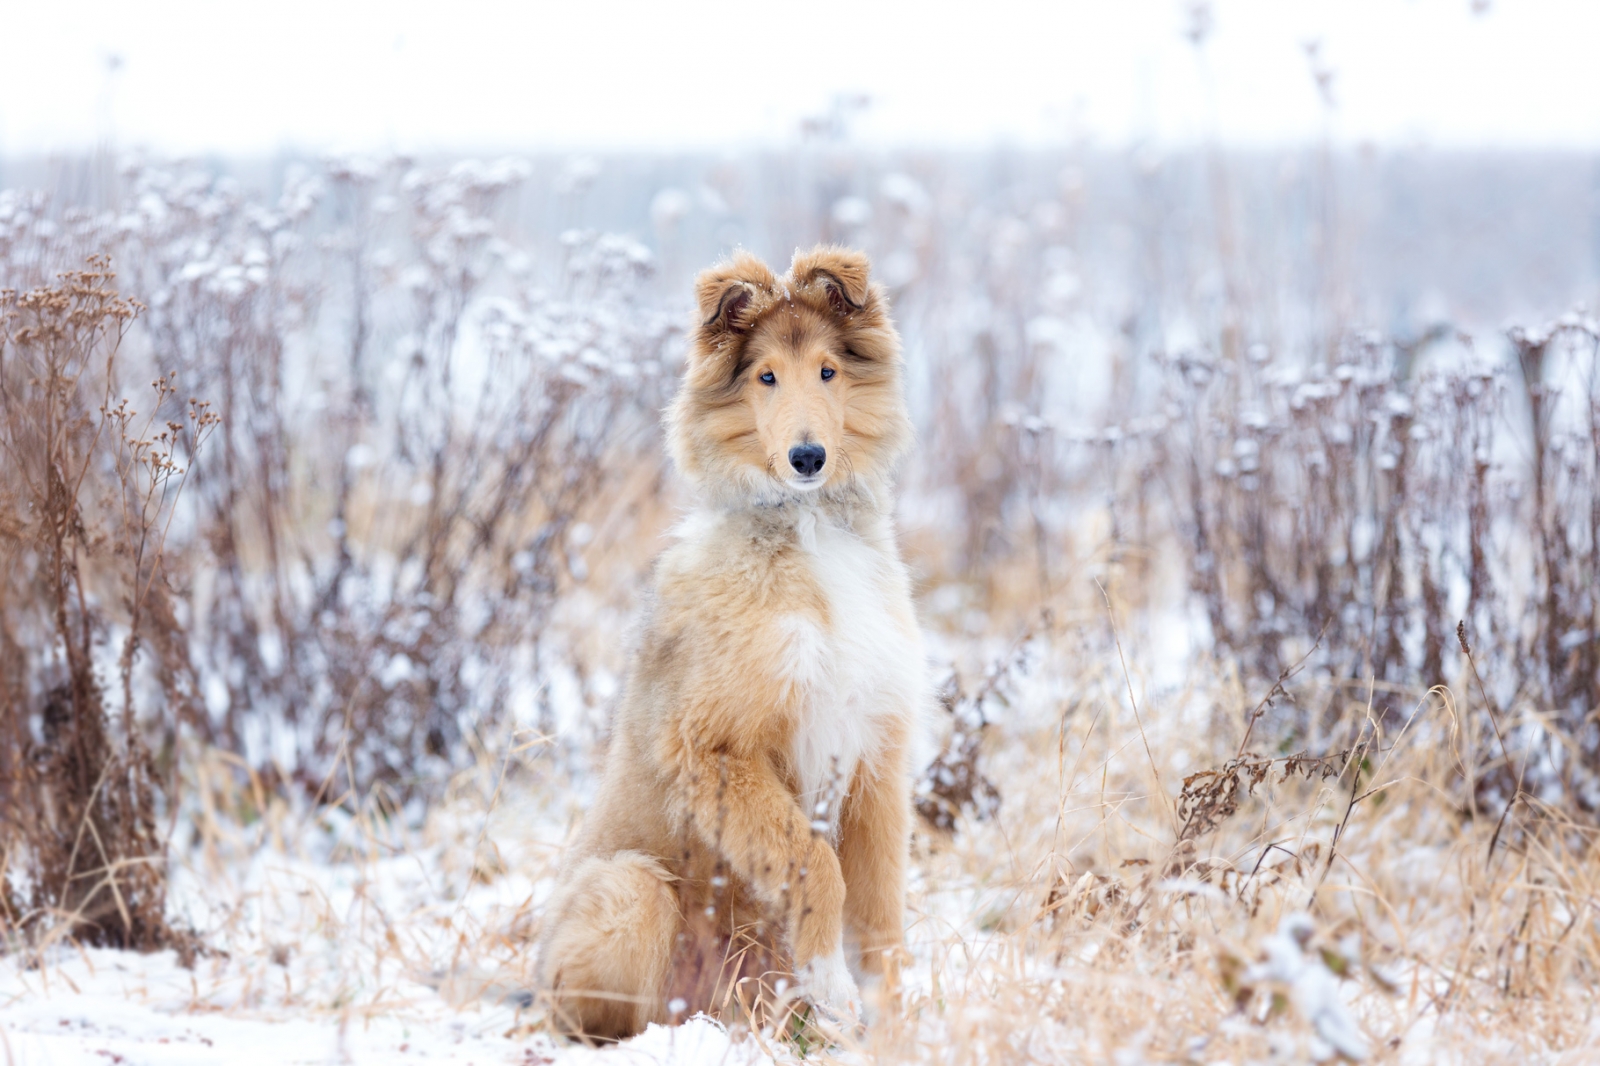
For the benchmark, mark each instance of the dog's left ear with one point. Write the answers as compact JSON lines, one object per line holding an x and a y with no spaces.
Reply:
{"x":843,"y":274}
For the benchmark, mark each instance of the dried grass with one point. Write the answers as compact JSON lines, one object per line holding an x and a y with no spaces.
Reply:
{"x":377,"y":632}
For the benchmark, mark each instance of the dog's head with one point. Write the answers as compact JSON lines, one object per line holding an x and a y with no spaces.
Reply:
{"x":794,"y":382}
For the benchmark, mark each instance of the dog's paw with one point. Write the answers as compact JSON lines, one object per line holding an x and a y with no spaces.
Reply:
{"x":828,"y":986}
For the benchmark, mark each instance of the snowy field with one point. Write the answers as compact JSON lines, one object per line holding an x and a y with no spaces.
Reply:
{"x":1193,"y":523}
{"x":1065,"y":927}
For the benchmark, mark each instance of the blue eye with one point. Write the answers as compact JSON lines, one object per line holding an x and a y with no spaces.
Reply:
{"x":768,"y":378}
{"x":827,"y":373}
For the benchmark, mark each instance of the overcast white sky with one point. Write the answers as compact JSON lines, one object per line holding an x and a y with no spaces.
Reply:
{"x":231,"y":76}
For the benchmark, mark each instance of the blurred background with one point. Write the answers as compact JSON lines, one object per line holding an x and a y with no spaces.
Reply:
{"x":1168,"y":274}
{"x":1264,"y":326}
{"x":1401,"y":158}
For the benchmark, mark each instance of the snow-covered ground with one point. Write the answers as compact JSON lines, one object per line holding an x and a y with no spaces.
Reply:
{"x":1068,"y":927}
{"x":336,"y":940}
{"x":106,"y":1008}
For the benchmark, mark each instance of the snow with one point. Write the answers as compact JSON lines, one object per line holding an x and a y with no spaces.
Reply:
{"x":106,"y":1008}
{"x":100,"y":1006}
{"x":1313,"y":988}
{"x":334,"y":936}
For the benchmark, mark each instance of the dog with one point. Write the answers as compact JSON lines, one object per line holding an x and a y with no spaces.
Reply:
{"x":752,"y":827}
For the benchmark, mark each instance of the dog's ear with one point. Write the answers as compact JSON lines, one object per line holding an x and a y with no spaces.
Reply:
{"x":726,"y":292}
{"x":843,"y":275}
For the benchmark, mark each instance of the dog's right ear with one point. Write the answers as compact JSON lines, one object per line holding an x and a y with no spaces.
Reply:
{"x":734,"y":300}
{"x":729,"y":295}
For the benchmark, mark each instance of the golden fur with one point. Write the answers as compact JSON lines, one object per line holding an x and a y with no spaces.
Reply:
{"x":754,"y":814}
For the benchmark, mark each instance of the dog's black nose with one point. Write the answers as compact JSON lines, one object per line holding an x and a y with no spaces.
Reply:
{"x":807,"y":459}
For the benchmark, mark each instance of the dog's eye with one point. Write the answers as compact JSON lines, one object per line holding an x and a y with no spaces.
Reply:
{"x":768,"y":378}
{"x":827,"y":373}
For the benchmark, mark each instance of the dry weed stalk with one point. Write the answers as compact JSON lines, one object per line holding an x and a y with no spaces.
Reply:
{"x":953,"y":784}
{"x":86,"y":501}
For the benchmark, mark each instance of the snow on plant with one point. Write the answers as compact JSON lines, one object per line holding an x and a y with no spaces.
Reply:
{"x":1302,"y":696}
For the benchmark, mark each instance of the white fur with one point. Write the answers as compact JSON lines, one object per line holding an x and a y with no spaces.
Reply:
{"x":827,"y":983}
{"x":697,"y":526}
{"x":805,"y":527}
{"x":862,"y":672}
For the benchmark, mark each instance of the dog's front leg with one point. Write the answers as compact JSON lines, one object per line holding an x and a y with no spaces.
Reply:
{"x":874,"y":841}
{"x":738,"y":805}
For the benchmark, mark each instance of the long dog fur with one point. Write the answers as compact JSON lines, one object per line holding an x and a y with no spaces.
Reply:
{"x":753,"y":820}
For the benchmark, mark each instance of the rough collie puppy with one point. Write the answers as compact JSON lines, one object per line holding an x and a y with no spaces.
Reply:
{"x":752,"y":825}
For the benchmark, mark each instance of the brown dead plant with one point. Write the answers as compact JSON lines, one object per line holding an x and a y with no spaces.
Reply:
{"x":87,"y":493}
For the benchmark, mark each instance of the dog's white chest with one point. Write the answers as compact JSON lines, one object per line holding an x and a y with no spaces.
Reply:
{"x":856,"y":675}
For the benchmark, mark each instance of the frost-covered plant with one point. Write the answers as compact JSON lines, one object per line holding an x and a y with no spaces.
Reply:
{"x":417,"y":430}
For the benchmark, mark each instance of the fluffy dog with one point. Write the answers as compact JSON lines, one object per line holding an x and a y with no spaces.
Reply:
{"x":753,"y":820}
